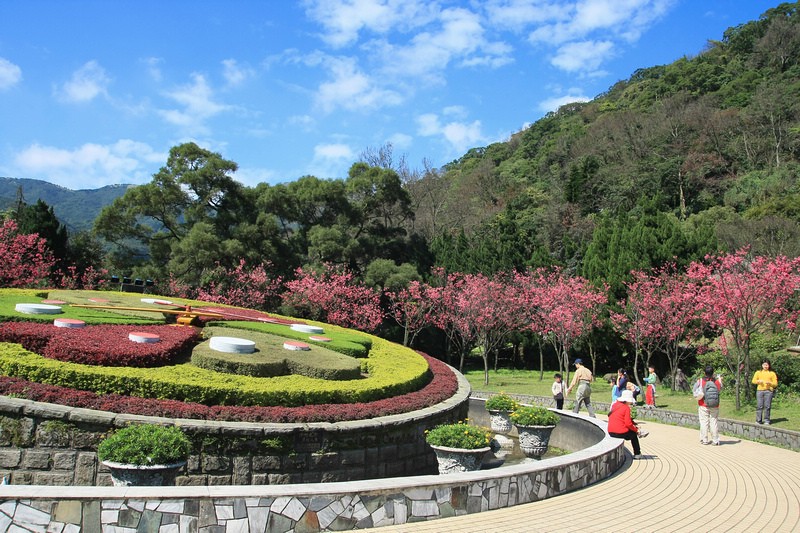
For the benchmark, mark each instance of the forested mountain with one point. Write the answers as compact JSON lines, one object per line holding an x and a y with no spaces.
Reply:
{"x":676,"y":162}
{"x":75,"y":209}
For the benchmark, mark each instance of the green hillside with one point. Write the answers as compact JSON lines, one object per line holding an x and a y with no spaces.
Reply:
{"x":76,"y":209}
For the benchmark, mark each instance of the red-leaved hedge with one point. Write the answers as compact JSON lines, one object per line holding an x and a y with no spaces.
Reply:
{"x":105,"y":345}
{"x":443,"y":385}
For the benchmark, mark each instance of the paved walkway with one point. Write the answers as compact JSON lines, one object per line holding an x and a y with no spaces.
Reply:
{"x":678,"y":485}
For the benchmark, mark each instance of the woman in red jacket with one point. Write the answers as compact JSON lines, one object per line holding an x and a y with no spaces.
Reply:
{"x":620,"y":424}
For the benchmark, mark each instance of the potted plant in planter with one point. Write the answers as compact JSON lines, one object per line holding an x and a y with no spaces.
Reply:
{"x":144,"y":454}
{"x":500,"y":406}
{"x":534,"y":425}
{"x":459,"y":447}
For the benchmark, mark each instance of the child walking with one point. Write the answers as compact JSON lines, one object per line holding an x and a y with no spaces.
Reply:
{"x":650,"y":395}
{"x":558,"y":391}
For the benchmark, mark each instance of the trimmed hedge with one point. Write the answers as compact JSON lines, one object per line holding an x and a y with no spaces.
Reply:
{"x":357,"y":346}
{"x":270,"y":358}
{"x":393,"y":370}
{"x":443,"y":385}
{"x":105,"y":345}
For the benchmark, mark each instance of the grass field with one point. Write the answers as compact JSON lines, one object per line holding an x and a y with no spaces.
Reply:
{"x":785,"y":408}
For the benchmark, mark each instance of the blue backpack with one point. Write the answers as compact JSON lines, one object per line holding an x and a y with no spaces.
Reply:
{"x":710,"y":393}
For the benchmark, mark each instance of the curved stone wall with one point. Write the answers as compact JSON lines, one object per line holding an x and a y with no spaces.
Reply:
{"x":48,"y":444}
{"x":314,"y":507}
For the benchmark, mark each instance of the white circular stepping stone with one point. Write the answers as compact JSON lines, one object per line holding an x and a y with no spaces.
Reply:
{"x":68,"y":323}
{"x":99,"y":300}
{"x":305,"y":328}
{"x":318,"y":338}
{"x":232,"y":345}
{"x":156,"y":301}
{"x":147,"y":338}
{"x":54,"y":302}
{"x":38,"y":309}
{"x":294,"y":345}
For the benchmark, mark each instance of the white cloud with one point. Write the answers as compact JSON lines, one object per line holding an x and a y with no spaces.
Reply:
{"x":10,"y":74}
{"x":153,"y":67}
{"x":86,"y":83}
{"x":234,"y":73}
{"x":344,"y":19}
{"x":552,"y":104}
{"x":460,"y":136}
{"x":519,"y":14}
{"x":331,"y":160}
{"x":352,"y":89}
{"x":125,"y":161}
{"x":583,"y":56}
{"x":198,"y":106}
{"x":621,"y":18}
{"x":455,"y":36}
{"x":401,"y":140}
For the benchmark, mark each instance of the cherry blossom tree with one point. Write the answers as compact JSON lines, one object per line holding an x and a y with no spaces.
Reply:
{"x":334,"y":296}
{"x":659,"y":313}
{"x":568,"y":308}
{"x":411,"y":308}
{"x":243,"y":286}
{"x":25,"y":260}
{"x":741,"y":296}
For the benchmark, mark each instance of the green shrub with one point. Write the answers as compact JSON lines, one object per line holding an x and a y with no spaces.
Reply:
{"x":501,"y":402}
{"x":145,"y":444}
{"x":531,"y":415}
{"x":460,"y":435}
{"x":271,"y":359}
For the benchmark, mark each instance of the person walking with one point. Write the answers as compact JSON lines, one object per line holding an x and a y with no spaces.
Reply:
{"x":766,"y":380}
{"x":583,"y":379}
{"x":650,"y":395}
{"x":558,"y":391}
{"x":622,"y":426}
{"x":706,"y":391}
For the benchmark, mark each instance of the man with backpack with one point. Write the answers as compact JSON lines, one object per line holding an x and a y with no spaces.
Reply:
{"x":706,"y":391}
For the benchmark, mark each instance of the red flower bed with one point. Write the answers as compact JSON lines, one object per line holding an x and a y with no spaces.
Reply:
{"x":443,"y":385}
{"x":105,"y":345}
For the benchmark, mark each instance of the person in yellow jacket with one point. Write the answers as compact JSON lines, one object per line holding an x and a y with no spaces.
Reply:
{"x":766,"y":380}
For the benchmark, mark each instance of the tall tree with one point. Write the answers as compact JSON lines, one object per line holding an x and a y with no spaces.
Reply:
{"x":741,"y":295}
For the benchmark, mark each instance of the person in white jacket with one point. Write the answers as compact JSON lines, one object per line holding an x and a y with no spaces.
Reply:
{"x":559,"y":391}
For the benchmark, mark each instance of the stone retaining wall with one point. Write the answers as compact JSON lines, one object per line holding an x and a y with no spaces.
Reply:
{"x":313,"y":507}
{"x":47,"y":444}
{"x":748,"y":430}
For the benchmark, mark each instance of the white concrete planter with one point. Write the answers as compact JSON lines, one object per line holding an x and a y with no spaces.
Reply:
{"x":38,"y":309}
{"x":454,"y":460}
{"x":294,"y":345}
{"x":534,"y":440}
{"x":305,"y":328}
{"x":232,"y":345}
{"x":68,"y":323}
{"x":126,"y":475}
{"x":144,"y":338}
{"x":501,"y":421}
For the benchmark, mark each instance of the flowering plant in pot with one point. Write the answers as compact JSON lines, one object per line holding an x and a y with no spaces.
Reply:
{"x":534,"y":426}
{"x":502,"y":402}
{"x":144,"y":454}
{"x":499,"y":407}
{"x":459,"y":447}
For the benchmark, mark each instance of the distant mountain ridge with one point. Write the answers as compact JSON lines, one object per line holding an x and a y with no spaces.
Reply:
{"x":76,"y":209}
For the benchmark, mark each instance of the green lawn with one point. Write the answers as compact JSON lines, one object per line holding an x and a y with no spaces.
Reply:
{"x":785,"y":408}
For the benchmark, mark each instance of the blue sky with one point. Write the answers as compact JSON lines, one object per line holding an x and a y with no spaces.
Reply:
{"x":94,"y":93}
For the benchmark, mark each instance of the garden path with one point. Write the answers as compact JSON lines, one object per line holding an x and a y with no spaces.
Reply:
{"x":678,"y":485}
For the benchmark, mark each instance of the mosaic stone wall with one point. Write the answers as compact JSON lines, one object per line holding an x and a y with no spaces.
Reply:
{"x":300,"y":508}
{"x":47,"y":444}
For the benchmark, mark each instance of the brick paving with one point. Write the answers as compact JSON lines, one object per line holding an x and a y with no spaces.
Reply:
{"x":678,"y":485}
